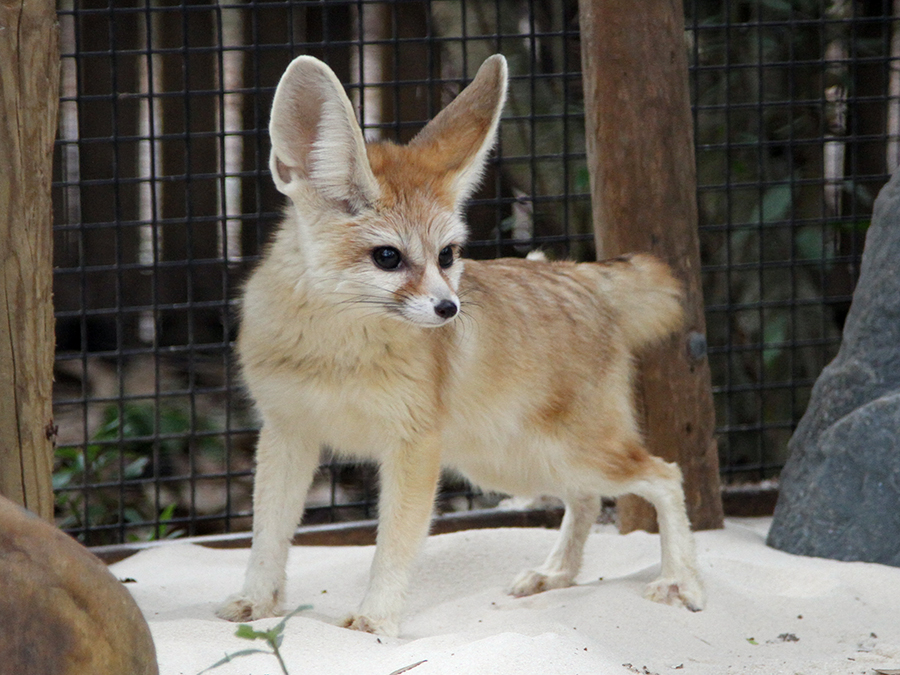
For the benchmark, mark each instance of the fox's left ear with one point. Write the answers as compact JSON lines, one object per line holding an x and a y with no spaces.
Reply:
{"x":464,"y":132}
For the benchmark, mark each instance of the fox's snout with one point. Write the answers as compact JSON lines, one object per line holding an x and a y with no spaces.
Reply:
{"x":429,"y":306}
{"x":428,"y":311}
{"x":446,"y":309}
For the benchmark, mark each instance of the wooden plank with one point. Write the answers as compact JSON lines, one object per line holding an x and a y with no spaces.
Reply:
{"x":643,"y":188}
{"x":29,"y":91}
{"x":357,"y":533}
{"x":739,"y":501}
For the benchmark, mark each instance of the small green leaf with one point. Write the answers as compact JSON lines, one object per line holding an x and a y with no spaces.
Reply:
{"x":775,"y":205}
{"x":752,"y":641}
{"x":781,"y":6}
{"x":246,"y":632}
{"x":136,"y":468}
{"x":168,"y":512}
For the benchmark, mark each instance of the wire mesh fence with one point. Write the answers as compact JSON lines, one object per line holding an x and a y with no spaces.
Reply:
{"x":163,"y":203}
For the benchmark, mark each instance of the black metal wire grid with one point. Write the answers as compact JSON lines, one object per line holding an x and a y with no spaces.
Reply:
{"x":796,"y":129}
{"x":163,"y":202}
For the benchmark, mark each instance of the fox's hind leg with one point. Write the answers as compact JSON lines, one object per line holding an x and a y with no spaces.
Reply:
{"x":285,"y":465}
{"x":564,"y":561}
{"x":679,"y":580}
{"x":633,"y":470}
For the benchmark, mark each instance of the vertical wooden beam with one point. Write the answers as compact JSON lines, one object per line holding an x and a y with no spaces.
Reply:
{"x":29,"y":98}
{"x":643,"y":186}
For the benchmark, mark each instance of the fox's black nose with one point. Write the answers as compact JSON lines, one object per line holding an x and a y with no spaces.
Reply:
{"x":446,"y":309}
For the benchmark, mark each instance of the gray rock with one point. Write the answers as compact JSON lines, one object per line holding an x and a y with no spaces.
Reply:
{"x":840,"y":490}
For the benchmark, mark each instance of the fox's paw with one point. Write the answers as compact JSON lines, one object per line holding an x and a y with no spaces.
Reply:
{"x":530,"y":582}
{"x":686,"y":593}
{"x":366,"y":624}
{"x":241,"y":608}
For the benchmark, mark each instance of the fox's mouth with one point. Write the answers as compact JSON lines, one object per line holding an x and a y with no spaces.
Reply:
{"x":436,"y":322}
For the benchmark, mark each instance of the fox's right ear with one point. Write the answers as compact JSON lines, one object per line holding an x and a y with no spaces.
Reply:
{"x":316,"y":140}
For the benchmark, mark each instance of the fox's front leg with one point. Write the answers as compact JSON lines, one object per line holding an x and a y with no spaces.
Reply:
{"x":284,"y":468}
{"x":409,"y":477}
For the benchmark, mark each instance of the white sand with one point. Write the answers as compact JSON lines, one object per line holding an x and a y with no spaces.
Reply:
{"x":768,"y":612}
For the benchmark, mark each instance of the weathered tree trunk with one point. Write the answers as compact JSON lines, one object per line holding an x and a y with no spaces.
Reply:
{"x":893,"y":114}
{"x":29,"y":98}
{"x":150,"y":159}
{"x":837,"y":77}
{"x":231,"y":124}
{"x":643,"y":187}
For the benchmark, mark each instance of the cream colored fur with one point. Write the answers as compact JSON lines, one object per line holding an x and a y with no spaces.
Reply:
{"x":516,"y":373}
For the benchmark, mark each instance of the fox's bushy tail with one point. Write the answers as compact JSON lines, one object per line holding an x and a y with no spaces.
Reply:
{"x":647,"y":296}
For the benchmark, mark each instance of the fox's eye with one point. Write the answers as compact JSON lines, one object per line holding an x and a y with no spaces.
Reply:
{"x":387,"y":257}
{"x":445,"y":257}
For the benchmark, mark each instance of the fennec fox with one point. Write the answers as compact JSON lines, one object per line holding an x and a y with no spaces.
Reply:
{"x":364,"y":330}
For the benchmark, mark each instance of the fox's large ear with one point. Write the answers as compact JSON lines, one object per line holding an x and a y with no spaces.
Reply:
{"x":316,"y":140}
{"x":463,"y":133}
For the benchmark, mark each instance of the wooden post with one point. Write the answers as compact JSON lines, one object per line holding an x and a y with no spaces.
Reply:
{"x":29,"y":98}
{"x":643,"y":185}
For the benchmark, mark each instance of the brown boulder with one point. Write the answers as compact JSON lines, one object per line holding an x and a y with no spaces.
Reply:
{"x":61,"y":610}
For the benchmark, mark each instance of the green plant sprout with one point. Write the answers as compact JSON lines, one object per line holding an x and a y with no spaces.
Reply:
{"x":119,"y":454}
{"x":273,"y":637}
